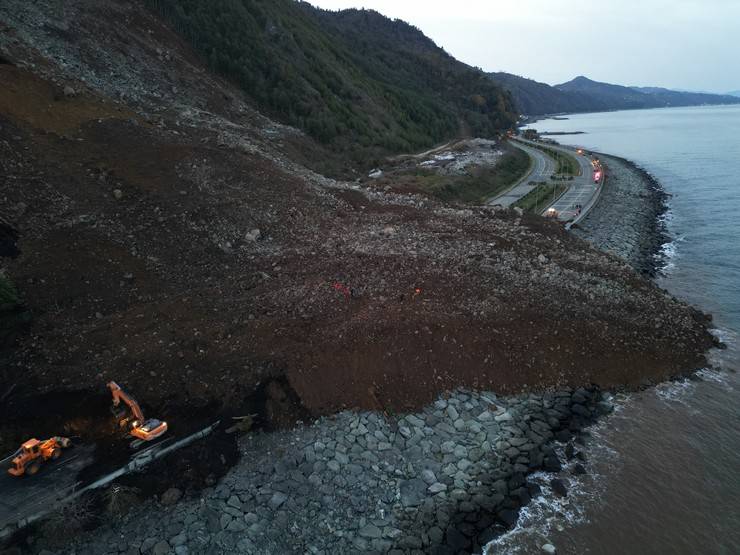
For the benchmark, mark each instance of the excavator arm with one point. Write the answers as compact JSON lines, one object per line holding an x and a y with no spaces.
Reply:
{"x":119,"y":395}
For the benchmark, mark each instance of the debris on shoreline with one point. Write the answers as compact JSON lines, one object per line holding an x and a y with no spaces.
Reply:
{"x":444,"y":480}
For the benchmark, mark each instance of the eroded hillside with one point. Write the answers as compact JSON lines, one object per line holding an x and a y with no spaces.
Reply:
{"x":171,"y":238}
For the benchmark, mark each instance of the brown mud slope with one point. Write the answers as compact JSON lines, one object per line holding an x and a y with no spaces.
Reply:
{"x":136,"y":204}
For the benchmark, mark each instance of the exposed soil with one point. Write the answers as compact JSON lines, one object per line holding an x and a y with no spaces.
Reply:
{"x":138,"y":212}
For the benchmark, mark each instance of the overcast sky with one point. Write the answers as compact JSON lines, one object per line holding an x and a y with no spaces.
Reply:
{"x":685,"y":44}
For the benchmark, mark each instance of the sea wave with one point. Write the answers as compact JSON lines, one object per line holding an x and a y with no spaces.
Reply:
{"x":549,"y":512}
{"x":726,"y":336}
{"x":714,"y":375}
{"x":666,"y":217}
{"x":545,"y":513}
{"x":678,"y":391}
{"x":667,"y":256}
{"x":725,"y":359}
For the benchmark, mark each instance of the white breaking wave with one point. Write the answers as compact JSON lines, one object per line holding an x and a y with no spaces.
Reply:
{"x":548,"y":512}
{"x":723,"y":361}
{"x":545,"y":513}
{"x":675,"y":392}
{"x":668,"y":255}
{"x":716,"y":376}
{"x":726,"y":336}
{"x":667,"y":217}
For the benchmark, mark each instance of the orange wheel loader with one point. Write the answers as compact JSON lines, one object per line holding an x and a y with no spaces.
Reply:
{"x":33,"y":453}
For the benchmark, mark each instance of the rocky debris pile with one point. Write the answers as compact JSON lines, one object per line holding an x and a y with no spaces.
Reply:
{"x":173,"y":237}
{"x":458,"y":159}
{"x":154,"y":74}
{"x":627,"y":219}
{"x":168,"y":240}
{"x":473,"y":152}
{"x":443,"y":480}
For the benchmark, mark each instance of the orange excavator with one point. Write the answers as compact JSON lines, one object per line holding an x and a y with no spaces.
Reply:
{"x":33,"y":453}
{"x":131,"y":418}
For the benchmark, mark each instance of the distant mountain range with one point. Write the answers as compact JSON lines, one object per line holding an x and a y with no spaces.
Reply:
{"x":585,"y":95}
{"x":734,"y":93}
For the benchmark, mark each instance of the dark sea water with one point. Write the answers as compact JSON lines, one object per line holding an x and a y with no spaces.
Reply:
{"x":665,"y":468}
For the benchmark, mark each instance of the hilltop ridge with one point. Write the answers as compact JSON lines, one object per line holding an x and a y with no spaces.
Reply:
{"x":582,"y":94}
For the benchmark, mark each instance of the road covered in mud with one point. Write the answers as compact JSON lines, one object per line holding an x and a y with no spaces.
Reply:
{"x":24,"y":498}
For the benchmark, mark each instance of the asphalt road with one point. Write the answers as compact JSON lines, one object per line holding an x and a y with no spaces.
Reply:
{"x":541,"y":170}
{"x":580,"y":190}
{"x":24,"y":496}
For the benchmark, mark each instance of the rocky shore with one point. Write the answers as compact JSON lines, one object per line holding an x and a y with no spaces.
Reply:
{"x":626,"y":220}
{"x":447,"y":479}
{"x":443,"y":480}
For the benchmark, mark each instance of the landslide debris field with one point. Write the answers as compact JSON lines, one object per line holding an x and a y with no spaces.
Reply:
{"x":170,"y":239}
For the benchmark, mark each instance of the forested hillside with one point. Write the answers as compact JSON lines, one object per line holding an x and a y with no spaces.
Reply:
{"x":585,"y":95}
{"x":668,"y":97}
{"x":355,"y":80}
{"x":534,"y":98}
{"x":614,"y":97}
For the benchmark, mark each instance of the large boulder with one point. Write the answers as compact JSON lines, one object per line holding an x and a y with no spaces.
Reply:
{"x":171,"y":496}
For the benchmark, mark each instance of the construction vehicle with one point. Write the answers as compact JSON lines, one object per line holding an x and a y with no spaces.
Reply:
{"x":33,"y":453}
{"x":131,"y":418}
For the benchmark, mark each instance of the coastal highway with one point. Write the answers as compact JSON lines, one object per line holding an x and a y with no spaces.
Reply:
{"x":541,"y":170}
{"x":580,"y":191}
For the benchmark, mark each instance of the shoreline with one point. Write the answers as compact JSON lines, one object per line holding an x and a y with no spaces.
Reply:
{"x":566,"y":115}
{"x":447,"y":479}
{"x":627,"y":220}
{"x":417,"y":482}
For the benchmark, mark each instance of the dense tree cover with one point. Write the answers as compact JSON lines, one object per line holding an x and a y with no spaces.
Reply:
{"x":354,"y":80}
